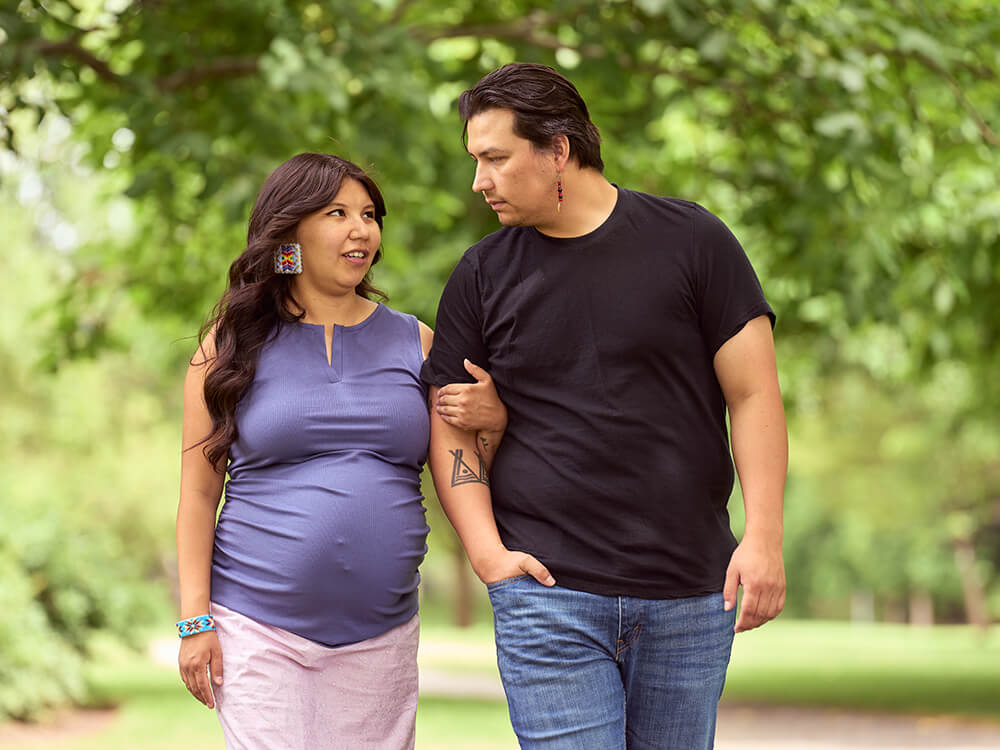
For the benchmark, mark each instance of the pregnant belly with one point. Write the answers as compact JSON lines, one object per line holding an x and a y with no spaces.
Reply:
{"x":316,"y":551}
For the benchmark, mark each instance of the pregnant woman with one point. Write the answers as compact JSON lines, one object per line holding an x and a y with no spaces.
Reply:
{"x":307,"y":392}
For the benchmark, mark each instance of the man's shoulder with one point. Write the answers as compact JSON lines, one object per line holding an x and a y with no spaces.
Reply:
{"x":500,"y":238}
{"x":493,"y":248}
{"x":667,"y":204}
{"x":679,"y":214}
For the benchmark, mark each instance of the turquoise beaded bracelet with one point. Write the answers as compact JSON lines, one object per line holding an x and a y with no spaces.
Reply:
{"x":195,"y":625}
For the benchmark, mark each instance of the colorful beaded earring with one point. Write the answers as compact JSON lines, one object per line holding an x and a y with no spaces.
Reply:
{"x":288,"y":258}
{"x":559,"y":192}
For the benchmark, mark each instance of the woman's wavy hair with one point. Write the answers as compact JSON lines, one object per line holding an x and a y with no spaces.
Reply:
{"x":258,"y":301}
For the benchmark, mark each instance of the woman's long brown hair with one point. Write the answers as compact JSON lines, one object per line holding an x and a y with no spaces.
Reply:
{"x":258,"y":301}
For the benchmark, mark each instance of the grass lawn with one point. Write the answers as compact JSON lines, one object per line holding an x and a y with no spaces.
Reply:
{"x":878,"y":667}
{"x":943,"y":670}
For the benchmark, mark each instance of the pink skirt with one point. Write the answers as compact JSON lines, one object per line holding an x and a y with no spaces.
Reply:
{"x":281,"y":691}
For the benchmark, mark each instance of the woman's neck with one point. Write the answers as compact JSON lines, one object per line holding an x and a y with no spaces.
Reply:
{"x":326,"y":310}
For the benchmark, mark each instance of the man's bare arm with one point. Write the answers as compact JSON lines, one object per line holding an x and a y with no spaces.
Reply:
{"x":745,"y":366}
{"x":460,"y":464}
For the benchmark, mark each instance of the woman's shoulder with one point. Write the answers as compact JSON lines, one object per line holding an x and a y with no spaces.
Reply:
{"x":204,"y":354}
{"x":408,"y":325}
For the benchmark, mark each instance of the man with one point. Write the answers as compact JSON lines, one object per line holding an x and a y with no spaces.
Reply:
{"x":618,"y":328}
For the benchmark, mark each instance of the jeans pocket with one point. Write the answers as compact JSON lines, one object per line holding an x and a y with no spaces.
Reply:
{"x":506,"y":582}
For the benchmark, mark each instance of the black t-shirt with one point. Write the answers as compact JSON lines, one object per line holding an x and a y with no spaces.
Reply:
{"x":615,"y":469}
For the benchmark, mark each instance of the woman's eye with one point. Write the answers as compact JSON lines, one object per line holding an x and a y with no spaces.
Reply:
{"x":335,"y":212}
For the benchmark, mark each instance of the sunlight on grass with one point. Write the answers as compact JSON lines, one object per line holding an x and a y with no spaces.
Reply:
{"x":948,"y":669}
{"x":943,"y":670}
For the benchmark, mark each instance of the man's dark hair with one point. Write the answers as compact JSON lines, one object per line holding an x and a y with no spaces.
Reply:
{"x":545,"y":104}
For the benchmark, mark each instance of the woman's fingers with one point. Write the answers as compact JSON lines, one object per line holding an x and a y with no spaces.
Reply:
{"x":200,"y":660}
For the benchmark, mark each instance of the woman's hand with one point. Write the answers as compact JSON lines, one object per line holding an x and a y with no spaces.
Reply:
{"x":201,"y":658}
{"x":472,"y":406}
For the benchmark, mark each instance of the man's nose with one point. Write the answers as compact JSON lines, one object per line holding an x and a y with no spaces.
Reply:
{"x":481,"y":182}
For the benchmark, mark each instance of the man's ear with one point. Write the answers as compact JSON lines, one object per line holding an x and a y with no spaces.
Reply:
{"x":560,"y":151}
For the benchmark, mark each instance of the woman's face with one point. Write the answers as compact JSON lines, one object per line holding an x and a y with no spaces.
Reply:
{"x":340,"y":240}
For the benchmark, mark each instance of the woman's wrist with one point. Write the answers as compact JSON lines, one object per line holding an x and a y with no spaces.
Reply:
{"x":195,"y":625}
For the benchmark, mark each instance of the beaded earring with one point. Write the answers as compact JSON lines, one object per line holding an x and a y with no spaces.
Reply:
{"x":288,"y":258}
{"x":559,"y":192}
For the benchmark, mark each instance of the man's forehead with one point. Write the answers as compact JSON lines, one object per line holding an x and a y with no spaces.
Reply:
{"x":491,"y":130}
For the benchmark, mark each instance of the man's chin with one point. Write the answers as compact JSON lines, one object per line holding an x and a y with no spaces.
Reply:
{"x":509,"y":220}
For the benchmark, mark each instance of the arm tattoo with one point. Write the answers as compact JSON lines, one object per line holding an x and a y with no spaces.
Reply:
{"x":462,"y":473}
{"x":486,"y":445}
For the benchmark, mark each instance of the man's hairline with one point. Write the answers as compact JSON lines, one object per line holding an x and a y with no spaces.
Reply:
{"x":488,"y":108}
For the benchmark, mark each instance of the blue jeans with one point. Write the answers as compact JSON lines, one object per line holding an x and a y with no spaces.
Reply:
{"x":589,"y":672}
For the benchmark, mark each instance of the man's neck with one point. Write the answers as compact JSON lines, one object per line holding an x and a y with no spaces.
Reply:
{"x":588,"y":200}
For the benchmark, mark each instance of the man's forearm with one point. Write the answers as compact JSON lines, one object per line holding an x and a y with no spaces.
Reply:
{"x":760,"y":450}
{"x":487,"y":444}
{"x":461,"y":477}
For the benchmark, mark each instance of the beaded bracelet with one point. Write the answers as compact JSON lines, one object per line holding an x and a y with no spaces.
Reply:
{"x":195,"y":625}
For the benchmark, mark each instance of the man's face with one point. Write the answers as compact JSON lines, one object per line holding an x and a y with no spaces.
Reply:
{"x":517,"y":180}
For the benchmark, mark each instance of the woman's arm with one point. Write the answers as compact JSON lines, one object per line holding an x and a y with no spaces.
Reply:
{"x":201,"y":491}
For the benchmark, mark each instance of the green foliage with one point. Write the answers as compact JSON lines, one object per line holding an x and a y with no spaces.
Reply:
{"x":851,"y":144}
{"x":82,"y":522}
{"x":37,"y":667}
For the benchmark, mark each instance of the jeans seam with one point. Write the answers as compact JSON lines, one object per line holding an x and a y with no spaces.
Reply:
{"x":497,"y":584}
{"x":624,"y":644}
{"x":618,"y":637}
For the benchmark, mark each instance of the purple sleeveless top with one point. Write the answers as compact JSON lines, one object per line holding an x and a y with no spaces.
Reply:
{"x":323,"y":525}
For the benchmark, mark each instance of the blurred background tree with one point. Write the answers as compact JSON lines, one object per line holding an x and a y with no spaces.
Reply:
{"x":850,"y":144}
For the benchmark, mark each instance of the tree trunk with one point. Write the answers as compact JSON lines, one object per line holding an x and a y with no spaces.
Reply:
{"x":463,"y":588}
{"x":921,"y":608}
{"x":972,"y":584}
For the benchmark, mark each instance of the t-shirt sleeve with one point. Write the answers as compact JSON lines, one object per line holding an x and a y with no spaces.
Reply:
{"x":458,"y":332}
{"x":729,"y":293}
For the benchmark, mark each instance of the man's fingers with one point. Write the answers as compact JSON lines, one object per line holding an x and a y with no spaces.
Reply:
{"x":729,"y":589}
{"x":536,"y":570}
{"x":477,"y":372}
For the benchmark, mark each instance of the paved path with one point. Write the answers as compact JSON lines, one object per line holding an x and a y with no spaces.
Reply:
{"x":740,"y":727}
{"x":775,"y":728}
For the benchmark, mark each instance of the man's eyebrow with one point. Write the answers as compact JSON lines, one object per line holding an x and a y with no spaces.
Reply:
{"x":487,"y":152}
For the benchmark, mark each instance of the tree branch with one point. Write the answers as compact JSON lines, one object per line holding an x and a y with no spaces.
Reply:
{"x":988,"y":134}
{"x":69,"y":48}
{"x":400,"y":11}
{"x":223,"y":67}
{"x":527,"y":29}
